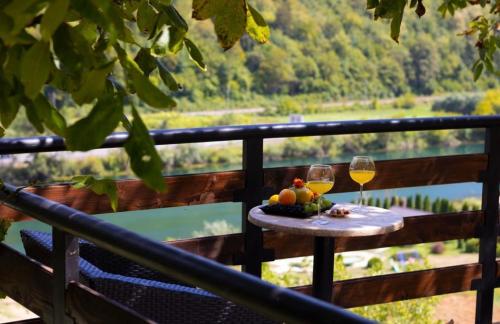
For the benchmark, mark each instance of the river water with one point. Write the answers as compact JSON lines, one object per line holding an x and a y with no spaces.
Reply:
{"x":181,"y":222}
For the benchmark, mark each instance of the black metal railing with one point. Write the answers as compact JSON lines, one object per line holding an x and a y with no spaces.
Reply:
{"x":253,"y":137}
{"x":278,"y":303}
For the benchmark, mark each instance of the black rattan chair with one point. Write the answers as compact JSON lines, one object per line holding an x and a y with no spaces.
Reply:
{"x":146,"y":291}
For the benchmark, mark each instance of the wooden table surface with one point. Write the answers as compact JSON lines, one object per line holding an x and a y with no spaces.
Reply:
{"x":372,"y":221}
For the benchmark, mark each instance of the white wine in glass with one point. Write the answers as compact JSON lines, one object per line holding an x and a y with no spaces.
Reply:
{"x":361,"y":170}
{"x":320,"y":179}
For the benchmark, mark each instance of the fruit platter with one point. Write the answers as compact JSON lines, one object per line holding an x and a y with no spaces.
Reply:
{"x":298,"y":201}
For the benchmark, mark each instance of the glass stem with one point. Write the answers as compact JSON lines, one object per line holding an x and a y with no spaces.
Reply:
{"x":319,"y":205}
{"x":360,"y":196}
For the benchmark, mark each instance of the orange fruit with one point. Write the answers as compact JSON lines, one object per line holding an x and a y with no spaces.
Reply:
{"x":274,"y":199}
{"x":287,"y":197}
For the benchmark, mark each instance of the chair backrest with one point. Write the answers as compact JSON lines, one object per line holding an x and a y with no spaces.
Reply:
{"x":161,"y":301}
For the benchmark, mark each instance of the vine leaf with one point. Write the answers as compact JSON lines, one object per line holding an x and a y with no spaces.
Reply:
{"x":53,"y":17}
{"x":49,"y":115}
{"x":392,"y":10}
{"x":195,"y":54}
{"x":90,"y":132}
{"x":167,"y":77}
{"x":9,"y":111}
{"x":146,"y":90}
{"x":257,"y":27}
{"x":146,"y":17}
{"x":93,"y":84}
{"x":104,"y":186}
{"x":144,"y":159}
{"x":229,"y":17}
{"x":35,"y":68}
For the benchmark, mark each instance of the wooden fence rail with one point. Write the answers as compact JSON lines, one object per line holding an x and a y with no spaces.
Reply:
{"x":227,"y":186}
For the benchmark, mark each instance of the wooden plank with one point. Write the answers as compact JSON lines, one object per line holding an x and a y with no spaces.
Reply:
{"x":417,"y":229}
{"x":226,"y":186}
{"x":134,"y":195}
{"x":221,"y":248}
{"x":402,"y":286}
{"x":31,"y":284}
{"x":393,"y":173}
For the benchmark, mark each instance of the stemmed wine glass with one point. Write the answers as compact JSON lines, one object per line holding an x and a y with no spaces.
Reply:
{"x":361,"y":170}
{"x":320,"y":180}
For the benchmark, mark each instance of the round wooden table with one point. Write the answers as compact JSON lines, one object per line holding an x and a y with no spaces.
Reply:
{"x":370,"y":221}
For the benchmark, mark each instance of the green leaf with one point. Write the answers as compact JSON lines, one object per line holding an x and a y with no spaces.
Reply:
{"x":229,"y":17}
{"x":396,"y":25}
{"x":8,"y":110}
{"x":127,"y":36}
{"x":256,"y":26}
{"x":195,"y":54}
{"x":205,"y":9}
{"x":144,"y":159}
{"x":90,"y":132}
{"x":478,"y":70}
{"x":35,"y":68}
{"x":176,"y":38}
{"x":230,"y":23}
{"x":4,"y":226}
{"x":146,"y":17}
{"x":93,"y":84}
{"x":99,"y":186}
{"x":49,"y":115}
{"x":33,"y":116}
{"x":167,"y":77}
{"x":147,"y":91}
{"x":2,"y":132}
{"x":53,"y":17}
{"x":175,"y":18}
{"x":146,"y":62}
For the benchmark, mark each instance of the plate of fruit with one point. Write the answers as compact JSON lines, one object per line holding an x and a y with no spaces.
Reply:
{"x":298,"y":201}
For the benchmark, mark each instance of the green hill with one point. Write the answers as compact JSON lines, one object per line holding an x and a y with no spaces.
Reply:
{"x":331,"y":49}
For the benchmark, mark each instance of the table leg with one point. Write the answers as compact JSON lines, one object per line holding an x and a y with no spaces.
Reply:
{"x":323,"y":268}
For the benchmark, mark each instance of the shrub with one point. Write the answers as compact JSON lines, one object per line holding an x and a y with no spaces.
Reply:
{"x":437,"y":248}
{"x":460,"y":104}
{"x":409,"y":202}
{"x":436,"y":206}
{"x":288,"y":106}
{"x":465,"y":206}
{"x":490,"y":104}
{"x":375,"y":264}
{"x":472,"y":245}
{"x":418,"y":201}
{"x":445,"y":206}
{"x":427,"y":204}
{"x":407,"y":101}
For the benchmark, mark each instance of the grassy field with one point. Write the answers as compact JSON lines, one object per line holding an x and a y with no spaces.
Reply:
{"x":179,"y":120}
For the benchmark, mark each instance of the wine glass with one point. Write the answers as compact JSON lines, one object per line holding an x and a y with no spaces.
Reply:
{"x":320,"y":180}
{"x":361,"y":170}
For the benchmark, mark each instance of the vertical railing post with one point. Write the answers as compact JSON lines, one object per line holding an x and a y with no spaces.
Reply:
{"x":65,"y":265}
{"x":253,"y":151}
{"x":488,"y":238}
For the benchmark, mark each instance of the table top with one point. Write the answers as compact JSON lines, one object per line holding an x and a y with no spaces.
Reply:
{"x":371,"y":221}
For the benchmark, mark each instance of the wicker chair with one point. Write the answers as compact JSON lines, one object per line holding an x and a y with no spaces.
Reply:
{"x":146,"y":291}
